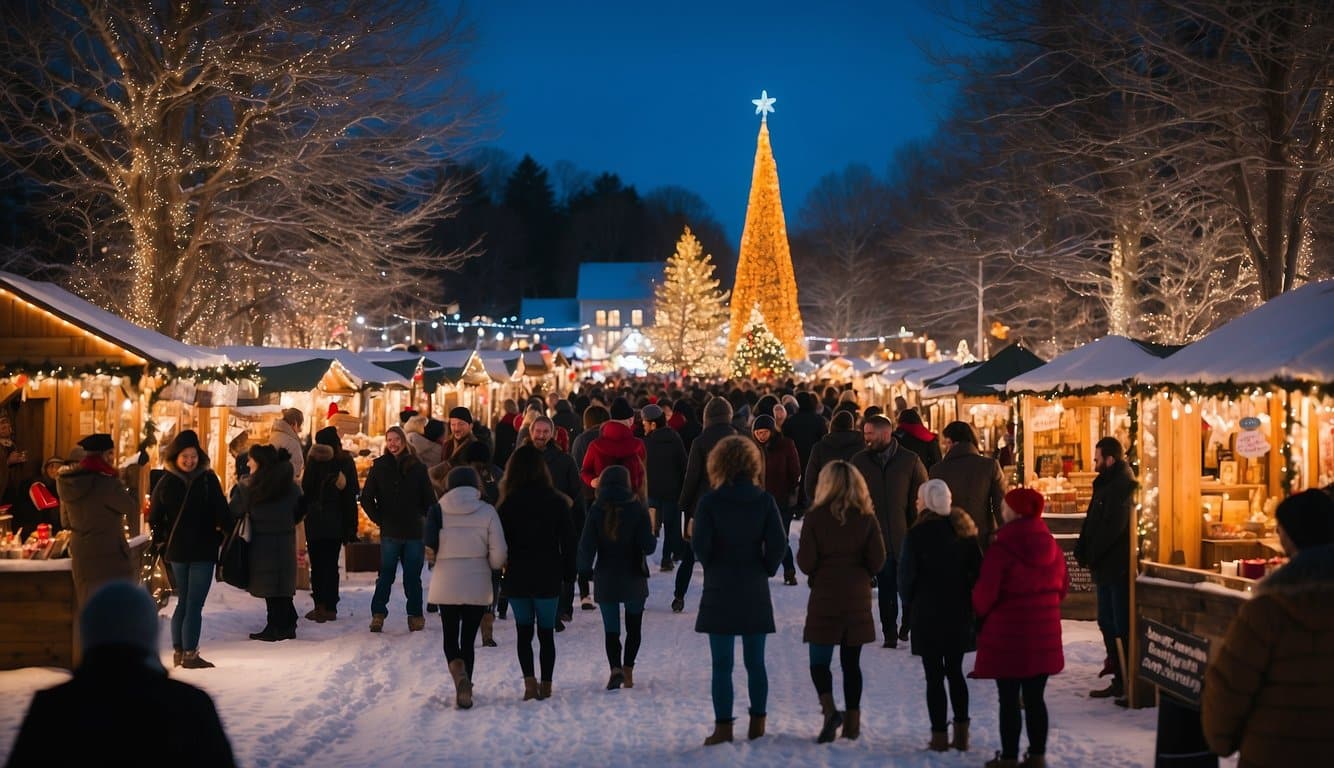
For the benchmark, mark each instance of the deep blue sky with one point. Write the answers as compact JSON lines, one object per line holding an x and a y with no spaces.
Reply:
{"x":659,"y":93}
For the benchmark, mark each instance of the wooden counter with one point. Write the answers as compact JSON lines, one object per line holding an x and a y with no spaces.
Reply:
{"x":37,"y":627}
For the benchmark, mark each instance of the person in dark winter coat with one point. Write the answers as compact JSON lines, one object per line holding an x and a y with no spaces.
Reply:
{"x":1266,"y":690}
{"x":94,"y":506}
{"x":565,"y":418}
{"x":506,"y":432}
{"x":1017,"y":599}
{"x":912,"y":434}
{"x":841,"y":551}
{"x":188,"y":514}
{"x":841,"y":444}
{"x":1104,"y":548}
{"x":565,"y":478}
{"x":541,"y":542}
{"x":119,"y":682}
{"x":739,"y":540}
{"x":666,"y":472}
{"x":616,"y":539}
{"x":940,"y":564}
{"x":717,"y":426}
{"x":271,"y":501}
{"x":684,"y":422}
{"x":329,"y":485}
{"x":806,"y":427}
{"x":594,"y":417}
{"x":395,"y":497}
{"x":976,"y":482}
{"x":782,"y":477}
{"x":892,"y":475}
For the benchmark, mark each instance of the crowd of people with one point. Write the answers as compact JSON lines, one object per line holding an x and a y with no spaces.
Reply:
{"x":899,"y":523}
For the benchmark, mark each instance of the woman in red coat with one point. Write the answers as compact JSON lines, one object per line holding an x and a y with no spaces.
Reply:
{"x":1018,"y":600}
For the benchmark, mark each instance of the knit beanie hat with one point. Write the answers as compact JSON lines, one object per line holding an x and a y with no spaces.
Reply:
{"x":120,"y":612}
{"x":651,"y":412}
{"x":434,"y":430}
{"x":621,"y":410}
{"x":935,"y":496}
{"x":717,"y":411}
{"x":763,"y":422}
{"x":329,"y":436}
{"x":1308,"y":518}
{"x":1025,"y":502}
{"x":460,"y":413}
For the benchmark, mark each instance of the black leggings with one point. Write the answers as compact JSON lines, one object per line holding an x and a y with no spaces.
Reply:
{"x":546,"y":641}
{"x":634,"y":631}
{"x":1035,"y":710}
{"x":938,"y":669}
{"x":850,"y":659}
{"x":461,"y":623}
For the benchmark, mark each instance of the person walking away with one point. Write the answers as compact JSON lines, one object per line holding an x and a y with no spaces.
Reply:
{"x":595,"y":416}
{"x":804,"y":428}
{"x":684,"y":423}
{"x":1017,"y":599}
{"x":566,"y":421}
{"x":614,"y":545}
{"x":478,"y":456}
{"x":717,"y":426}
{"x":395,"y":497}
{"x":426,"y":446}
{"x":782,"y":476}
{"x":1104,"y":548}
{"x":940,"y":564}
{"x":739,"y":541}
{"x":1266,"y":689}
{"x":617,"y":445}
{"x":120,"y":681}
{"x":666,"y":470}
{"x":188,"y":514}
{"x":272,"y":501}
{"x":535,"y":517}
{"x":841,"y":443}
{"x":892,"y":474}
{"x":469,"y":544}
{"x":330,"y":487}
{"x":912,"y":434}
{"x":840,"y":551}
{"x":286,"y":434}
{"x":976,"y":482}
{"x":94,"y":506}
{"x":564,"y":474}
{"x":506,"y":431}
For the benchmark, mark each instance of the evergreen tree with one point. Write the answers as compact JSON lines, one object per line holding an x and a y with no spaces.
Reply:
{"x":759,"y":354}
{"x":689,"y":314}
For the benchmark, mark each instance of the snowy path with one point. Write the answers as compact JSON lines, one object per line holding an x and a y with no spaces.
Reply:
{"x":340,"y":696}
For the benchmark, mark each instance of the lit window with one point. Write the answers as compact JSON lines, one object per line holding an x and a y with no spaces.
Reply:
{"x":600,"y":317}
{"x":614,"y":318}
{"x":636,"y":317}
{"x":613,"y":338}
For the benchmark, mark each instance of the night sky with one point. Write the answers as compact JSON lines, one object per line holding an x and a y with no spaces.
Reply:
{"x":659,"y":93}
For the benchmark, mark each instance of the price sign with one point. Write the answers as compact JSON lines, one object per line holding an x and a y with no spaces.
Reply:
{"x":1173,"y":660}
{"x":1252,"y":444}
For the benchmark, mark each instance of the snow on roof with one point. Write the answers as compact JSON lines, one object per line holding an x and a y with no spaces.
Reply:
{"x":946,"y":383}
{"x":1106,"y":363}
{"x":918,"y":377}
{"x":549,"y":313}
{"x":366,"y":371}
{"x":1289,"y":338}
{"x":989,"y":377}
{"x":618,"y":280}
{"x":115,"y":329}
{"x":274,"y":356}
{"x":501,"y":365}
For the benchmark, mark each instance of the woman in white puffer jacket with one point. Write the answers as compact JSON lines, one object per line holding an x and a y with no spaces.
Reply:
{"x":468,"y":541}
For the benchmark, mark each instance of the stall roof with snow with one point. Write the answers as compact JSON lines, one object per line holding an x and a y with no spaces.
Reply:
{"x":928,"y":374}
{"x":287,"y":369}
{"x":502,"y":365}
{"x":1105,"y":364}
{"x":987,"y":378}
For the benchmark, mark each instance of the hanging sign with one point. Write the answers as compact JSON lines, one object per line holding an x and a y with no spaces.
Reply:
{"x":1045,"y":420}
{"x":1251,"y":442}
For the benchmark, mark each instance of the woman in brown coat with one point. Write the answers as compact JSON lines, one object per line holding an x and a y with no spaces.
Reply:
{"x":841,"y":549}
{"x":976,"y":482}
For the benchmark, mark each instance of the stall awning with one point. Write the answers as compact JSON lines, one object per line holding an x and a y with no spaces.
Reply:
{"x":502,"y":366}
{"x":1102,"y":365}
{"x":988,"y":378}
{"x":919,"y":378}
{"x":407,"y":367}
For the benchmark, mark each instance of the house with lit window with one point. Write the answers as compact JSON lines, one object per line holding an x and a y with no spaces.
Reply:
{"x":554,"y":322}
{"x":615,"y":304}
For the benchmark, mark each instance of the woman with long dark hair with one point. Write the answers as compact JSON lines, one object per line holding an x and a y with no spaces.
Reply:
{"x":541,"y":541}
{"x":617,"y":539}
{"x":271,"y":499}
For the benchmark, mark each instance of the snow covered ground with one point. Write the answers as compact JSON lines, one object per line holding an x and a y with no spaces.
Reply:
{"x":341,"y":696}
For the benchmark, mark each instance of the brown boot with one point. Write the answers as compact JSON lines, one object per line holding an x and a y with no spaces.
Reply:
{"x":317,"y":614}
{"x":833,"y":719}
{"x":192,"y":660}
{"x":488,"y":625}
{"x":544,"y":690}
{"x":377,"y":622}
{"x":940,"y":742}
{"x":416,"y":623}
{"x":852,"y":723}
{"x":756,"y":729}
{"x":462,"y":686}
{"x":721,"y":732}
{"x":529,"y":688}
{"x":176,"y":655}
{"x":960,"y":740}
{"x":1033,"y":761}
{"x":629,"y":674}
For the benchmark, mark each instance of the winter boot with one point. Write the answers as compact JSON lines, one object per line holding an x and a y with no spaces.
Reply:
{"x":488,"y":630}
{"x":416,"y":623}
{"x":678,"y":604}
{"x":629,"y":674}
{"x":586,"y":603}
{"x":1001,"y":762}
{"x":722,"y":732}
{"x":1113,"y":690}
{"x":529,"y":688}
{"x":377,"y":622}
{"x":960,"y":740}
{"x":192,"y":660}
{"x":617,"y":679}
{"x":903,"y":630}
{"x":756,"y":729}
{"x":544,"y":690}
{"x":330,"y":613}
{"x":852,"y":724}
{"x":1033,"y":761}
{"x":462,"y":685}
{"x":940,"y":742}
{"x":176,"y":655}
{"x":790,"y":578}
{"x":833,"y":719}
{"x":317,"y":614}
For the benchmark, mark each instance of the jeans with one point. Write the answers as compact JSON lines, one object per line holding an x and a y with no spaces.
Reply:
{"x":850,"y":658}
{"x":939,"y":668}
{"x":887,"y":591}
{"x":1114,"y":616}
{"x":461,"y":623}
{"x":193,"y":581}
{"x":543,"y":609}
{"x":526,"y":609}
{"x":412,"y":554}
{"x":669,"y":516}
{"x":324,"y":571}
{"x":723,"y":650}
{"x":1035,"y":710}
{"x":611,"y":627}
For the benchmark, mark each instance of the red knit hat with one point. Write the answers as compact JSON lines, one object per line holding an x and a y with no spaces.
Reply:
{"x":1025,"y":502}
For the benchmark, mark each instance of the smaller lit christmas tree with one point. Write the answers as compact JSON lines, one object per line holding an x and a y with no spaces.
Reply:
{"x":759,"y":353}
{"x":690,"y":314}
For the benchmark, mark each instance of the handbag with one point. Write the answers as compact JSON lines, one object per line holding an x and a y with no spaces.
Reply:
{"x":234,"y":559}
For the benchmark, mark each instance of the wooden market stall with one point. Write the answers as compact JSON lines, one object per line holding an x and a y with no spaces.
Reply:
{"x":917,"y":379}
{"x":1227,"y":427}
{"x":506,"y":371}
{"x":463,"y":381}
{"x":976,"y":394}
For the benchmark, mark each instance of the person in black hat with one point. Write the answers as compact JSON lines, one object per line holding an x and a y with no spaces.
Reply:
{"x":94,"y":506}
{"x":460,"y":435}
{"x":329,"y":485}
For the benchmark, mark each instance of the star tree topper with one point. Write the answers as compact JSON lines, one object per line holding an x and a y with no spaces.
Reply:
{"x":764,"y":105}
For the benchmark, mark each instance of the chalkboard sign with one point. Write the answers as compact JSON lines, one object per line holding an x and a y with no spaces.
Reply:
{"x":1081,"y":580}
{"x":1173,"y":660}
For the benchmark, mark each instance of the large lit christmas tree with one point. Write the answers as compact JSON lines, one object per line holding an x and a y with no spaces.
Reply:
{"x":689,"y":314}
{"x":759,"y":354}
{"x":764,"y":275}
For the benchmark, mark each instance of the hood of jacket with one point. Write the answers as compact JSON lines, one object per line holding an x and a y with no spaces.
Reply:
{"x":618,"y":441}
{"x":961,"y":449}
{"x":320,"y":452}
{"x":78,"y":484}
{"x":187,"y":477}
{"x":666,"y":436}
{"x":844,"y":440}
{"x":1305,"y":588}
{"x":1030,"y":541}
{"x":464,"y":500}
{"x":564,"y":406}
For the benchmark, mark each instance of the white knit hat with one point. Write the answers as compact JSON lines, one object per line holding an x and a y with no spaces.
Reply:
{"x":935,"y":496}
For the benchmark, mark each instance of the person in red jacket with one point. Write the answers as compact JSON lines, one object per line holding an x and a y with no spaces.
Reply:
{"x":617,"y":444}
{"x":1017,"y":599}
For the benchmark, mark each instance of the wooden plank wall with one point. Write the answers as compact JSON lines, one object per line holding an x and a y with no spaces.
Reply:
{"x":37,"y":625}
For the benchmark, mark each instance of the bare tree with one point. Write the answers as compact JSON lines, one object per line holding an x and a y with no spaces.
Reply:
{"x":242,"y":150}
